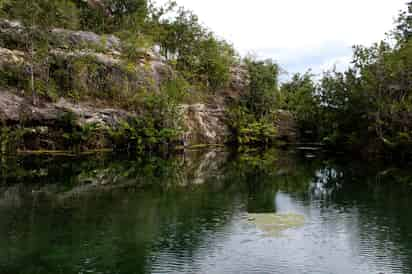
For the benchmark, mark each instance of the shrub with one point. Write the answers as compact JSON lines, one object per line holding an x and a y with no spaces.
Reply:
{"x":247,"y":131}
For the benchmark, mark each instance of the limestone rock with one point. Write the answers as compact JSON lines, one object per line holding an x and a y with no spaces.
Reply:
{"x":83,"y":39}
{"x":95,"y":69}
{"x":11,"y":57}
{"x":13,"y":33}
{"x":205,"y":124}
{"x":239,"y":78}
{"x":14,"y":109}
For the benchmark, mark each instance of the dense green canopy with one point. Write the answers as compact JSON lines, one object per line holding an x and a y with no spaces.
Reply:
{"x":369,"y":106}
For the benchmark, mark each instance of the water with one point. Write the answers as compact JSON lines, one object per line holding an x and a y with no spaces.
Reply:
{"x":191,"y":214}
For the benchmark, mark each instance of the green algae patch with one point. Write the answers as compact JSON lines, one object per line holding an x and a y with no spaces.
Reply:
{"x":272,"y":224}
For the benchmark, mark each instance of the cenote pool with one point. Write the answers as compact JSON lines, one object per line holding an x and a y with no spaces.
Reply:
{"x":204,"y":212}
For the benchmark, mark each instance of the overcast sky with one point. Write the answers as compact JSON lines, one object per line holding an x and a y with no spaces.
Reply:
{"x":299,"y":34}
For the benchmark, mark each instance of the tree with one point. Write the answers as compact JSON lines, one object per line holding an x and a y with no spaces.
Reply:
{"x":403,"y":29}
{"x":38,"y":17}
{"x":263,"y":89}
{"x":299,"y":96}
{"x":195,"y":51}
{"x":215,"y":60}
{"x":113,"y":16}
{"x":367,"y":106}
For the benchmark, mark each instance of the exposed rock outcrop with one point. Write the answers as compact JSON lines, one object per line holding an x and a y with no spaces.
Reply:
{"x":15,"y":109}
{"x":88,"y":71}
{"x":14,"y":34}
{"x":205,"y":124}
{"x":10,"y":58}
{"x":92,"y":65}
{"x":90,"y":62}
{"x":83,"y":39}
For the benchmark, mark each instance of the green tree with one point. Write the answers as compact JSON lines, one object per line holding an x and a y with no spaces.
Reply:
{"x":403,"y":29}
{"x":39,"y":17}
{"x":299,"y":96}
{"x":341,"y":103}
{"x":215,"y":60}
{"x":113,"y":16}
{"x":367,"y":107}
{"x":263,"y":89}
{"x":194,"y":51}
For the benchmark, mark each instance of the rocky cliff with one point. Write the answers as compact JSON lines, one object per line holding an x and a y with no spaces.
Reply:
{"x":107,"y":83}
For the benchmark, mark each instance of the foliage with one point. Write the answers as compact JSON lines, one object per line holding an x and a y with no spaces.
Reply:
{"x":215,"y":60}
{"x":111,"y":16}
{"x":370,"y":104}
{"x":159,"y":124}
{"x":195,"y":51}
{"x":299,"y":96}
{"x":249,"y":131}
{"x":140,"y":135}
{"x":252,"y":119}
{"x":262,"y":92}
{"x":12,"y":76}
{"x":403,"y":29}
{"x":367,"y":106}
{"x":40,"y":14}
{"x":10,"y":139}
{"x":77,"y":136}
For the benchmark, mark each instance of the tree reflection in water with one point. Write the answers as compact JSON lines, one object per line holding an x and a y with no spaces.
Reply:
{"x":188,"y":213}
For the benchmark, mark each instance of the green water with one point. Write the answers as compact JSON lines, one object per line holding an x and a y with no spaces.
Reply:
{"x":204,"y":212}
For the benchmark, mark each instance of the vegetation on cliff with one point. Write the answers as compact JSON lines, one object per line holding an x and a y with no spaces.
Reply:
{"x":187,"y":46}
{"x":131,"y":55}
{"x":151,"y":60}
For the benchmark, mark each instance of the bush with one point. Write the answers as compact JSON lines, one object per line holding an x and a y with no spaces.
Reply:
{"x":262,"y":92}
{"x":247,"y":131}
{"x":159,"y":123}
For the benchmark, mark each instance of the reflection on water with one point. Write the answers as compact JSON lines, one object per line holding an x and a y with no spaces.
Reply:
{"x":192,"y":214}
{"x":272,"y":224}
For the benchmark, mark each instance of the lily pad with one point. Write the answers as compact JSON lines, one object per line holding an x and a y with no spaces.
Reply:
{"x":272,"y":224}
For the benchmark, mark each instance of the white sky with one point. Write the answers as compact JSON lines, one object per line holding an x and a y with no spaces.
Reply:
{"x":299,"y":34}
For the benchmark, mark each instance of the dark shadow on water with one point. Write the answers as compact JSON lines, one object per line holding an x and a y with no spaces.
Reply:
{"x":110,"y":214}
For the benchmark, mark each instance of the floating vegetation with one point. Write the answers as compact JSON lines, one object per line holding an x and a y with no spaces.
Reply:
{"x":273,"y":224}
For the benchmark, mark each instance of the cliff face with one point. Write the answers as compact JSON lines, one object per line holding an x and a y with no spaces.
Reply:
{"x":109,"y":76}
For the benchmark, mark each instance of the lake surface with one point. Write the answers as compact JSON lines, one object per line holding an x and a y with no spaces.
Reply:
{"x":201,"y":213}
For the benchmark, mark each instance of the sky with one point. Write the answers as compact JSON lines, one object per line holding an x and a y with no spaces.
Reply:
{"x":298,"y":34}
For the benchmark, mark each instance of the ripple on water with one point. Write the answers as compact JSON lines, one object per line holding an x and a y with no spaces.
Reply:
{"x":342,"y":228}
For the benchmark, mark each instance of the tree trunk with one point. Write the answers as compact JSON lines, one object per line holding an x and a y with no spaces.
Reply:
{"x":31,"y":41}
{"x":32,"y":86}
